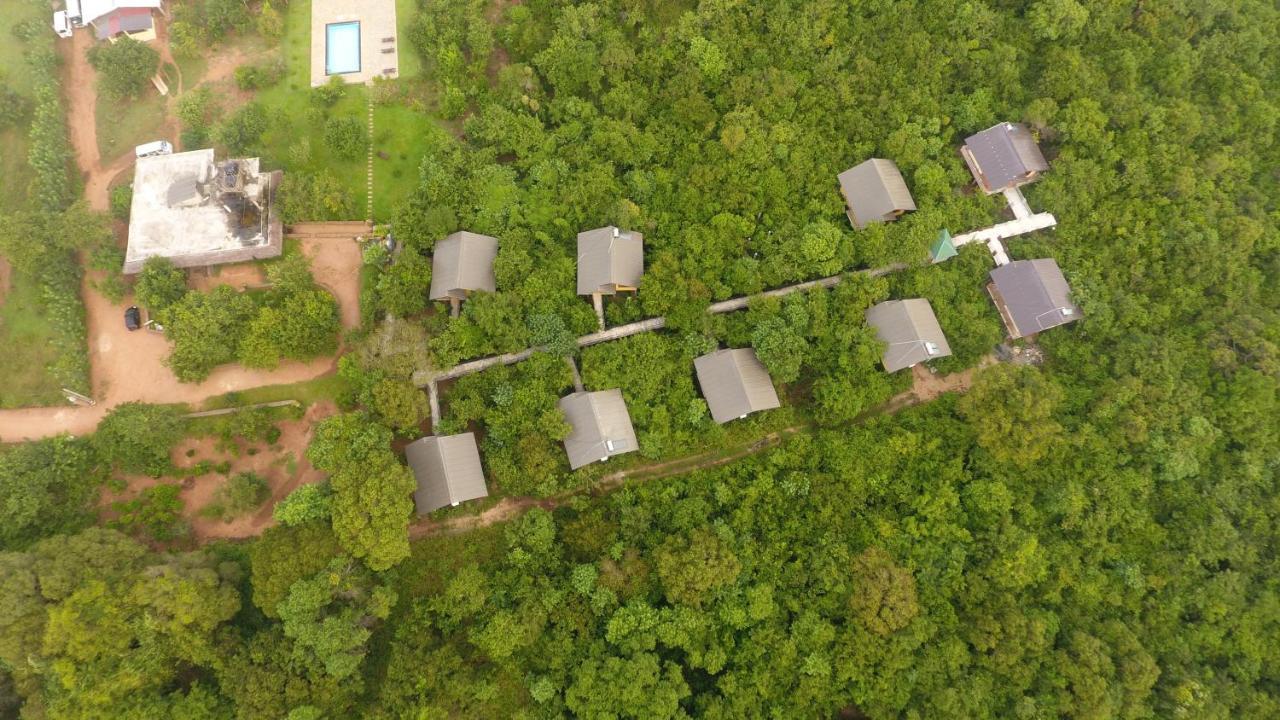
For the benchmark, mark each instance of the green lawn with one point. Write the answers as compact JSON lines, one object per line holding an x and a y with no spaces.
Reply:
{"x":14,"y":169}
{"x":410,"y":63}
{"x":307,"y":392}
{"x":295,"y":141}
{"x":27,"y":338}
{"x":13,"y":68}
{"x":123,"y":124}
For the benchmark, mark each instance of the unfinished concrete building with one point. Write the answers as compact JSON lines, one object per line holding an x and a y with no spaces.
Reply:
{"x":198,"y":212}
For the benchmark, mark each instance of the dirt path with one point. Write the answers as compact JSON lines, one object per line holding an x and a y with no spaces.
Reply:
{"x":926,"y":388}
{"x":82,"y":106}
{"x":6,"y":273}
{"x":129,"y":366}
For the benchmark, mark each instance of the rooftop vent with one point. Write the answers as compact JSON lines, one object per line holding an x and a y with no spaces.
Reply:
{"x":617,"y":232}
{"x":931,"y":348}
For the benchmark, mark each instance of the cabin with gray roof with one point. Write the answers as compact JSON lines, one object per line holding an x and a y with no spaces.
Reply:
{"x":910,"y":332}
{"x":874,"y":191}
{"x":1032,"y":295}
{"x":448,"y":471}
{"x":601,"y":427}
{"x":1003,"y":156}
{"x":735,"y":384}
{"x":461,"y":264}
{"x":609,"y":260}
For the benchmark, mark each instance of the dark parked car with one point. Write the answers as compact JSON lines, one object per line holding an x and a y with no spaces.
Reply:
{"x":132,"y":318}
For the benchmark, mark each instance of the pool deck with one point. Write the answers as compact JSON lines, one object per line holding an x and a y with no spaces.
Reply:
{"x":377,"y":22}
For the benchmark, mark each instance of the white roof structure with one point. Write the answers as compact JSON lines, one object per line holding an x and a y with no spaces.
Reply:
{"x":90,"y":10}
{"x":198,"y":212}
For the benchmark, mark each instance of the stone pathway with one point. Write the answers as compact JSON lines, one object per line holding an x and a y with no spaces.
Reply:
{"x":369,"y":213}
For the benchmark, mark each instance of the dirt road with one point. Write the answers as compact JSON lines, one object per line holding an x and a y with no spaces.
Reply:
{"x":5,"y":274}
{"x":926,"y":387}
{"x":129,"y":366}
{"x":82,"y":105}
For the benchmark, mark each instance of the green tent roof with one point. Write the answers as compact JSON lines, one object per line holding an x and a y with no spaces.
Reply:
{"x":942,"y":248}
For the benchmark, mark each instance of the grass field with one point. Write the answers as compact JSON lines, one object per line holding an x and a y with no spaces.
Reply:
{"x":26,"y":336}
{"x":123,"y":124}
{"x":14,"y":169}
{"x":295,"y":141}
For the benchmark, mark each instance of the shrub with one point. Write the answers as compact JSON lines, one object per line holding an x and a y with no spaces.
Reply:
{"x":330,"y":93}
{"x":345,"y":136}
{"x":242,"y":132}
{"x":238,"y":496}
{"x":305,"y":196}
{"x":253,"y":77}
{"x":307,"y":503}
{"x":121,"y":201}
{"x":136,"y":438}
{"x":156,"y":513}
{"x":124,"y":67}
{"x":13,"y":107}
{"x":159,"y":284}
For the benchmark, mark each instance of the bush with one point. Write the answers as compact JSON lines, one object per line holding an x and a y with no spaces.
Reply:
{"x":238,"y":496}
{"x":124,"y":67}
{"x":330,"y":93}
{"x":306,"y":504}
{"x":159,"y":284}
{"x":109,"y":259}
{"x":156,"y":514}
{"x":50,"y":151}
{"x":253,"y":77}
{"x":345,"y":136}
{"x":309,"y":197}
{"x":136,"y":438}
{"x":13,"y":107}
{"x":242,"y":132}
{"x":121,"y":202}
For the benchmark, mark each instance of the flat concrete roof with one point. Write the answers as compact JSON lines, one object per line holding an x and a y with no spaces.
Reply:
{"x":197,"y":212}
{"x":379,"y":46}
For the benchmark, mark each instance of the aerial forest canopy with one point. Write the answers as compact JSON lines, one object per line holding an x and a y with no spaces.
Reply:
{"x":1093,"y":537}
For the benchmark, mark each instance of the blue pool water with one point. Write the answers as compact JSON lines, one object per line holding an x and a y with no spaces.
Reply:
{"x":342,"y":48}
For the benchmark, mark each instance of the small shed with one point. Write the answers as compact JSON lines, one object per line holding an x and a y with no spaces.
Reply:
{"x":1032,"y":295}
{"x":874,"y":192}
{"x":461,"y":264}
{"x":944,"y":248}
{"x":448,"y":471}
{"x":609,"y":260}
{"x":735,"y":384}
{"x":910,"y":332}
{"x":1003,"y":156}
{"x":601,"y":427}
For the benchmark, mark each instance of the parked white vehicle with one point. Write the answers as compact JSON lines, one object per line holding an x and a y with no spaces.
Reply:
{"x":151,"y":149}
{"x":62,"y":24}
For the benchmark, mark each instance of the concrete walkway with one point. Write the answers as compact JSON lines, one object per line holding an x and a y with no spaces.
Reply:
{"x":423,"y":378}
{"x":1024,"y":222}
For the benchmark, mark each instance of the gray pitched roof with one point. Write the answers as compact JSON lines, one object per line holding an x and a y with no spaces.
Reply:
{"x":1032,"y":296}
{"x":601,"y":426}
{"x":447,"y":469}
{"x":910,"y":331}
{"x":462,"y":263}
{"x":1002,"y":156}
{"x":609,"y":258}
{"x":874,"y":192}
{"x":735,"y":383}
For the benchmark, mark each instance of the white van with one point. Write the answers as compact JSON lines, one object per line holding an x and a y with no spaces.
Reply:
{"x":151,"y":149}
{"x":62,"y":24}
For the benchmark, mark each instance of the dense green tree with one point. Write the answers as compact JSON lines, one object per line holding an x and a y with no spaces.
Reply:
{"x":136,"y":438}
{"x":285,"y":555}
{"x":371,"y":489}
{"x":205,"y":329}
{"x":45,"y":489}
{"x":124,"y":67}
{"x":159,"y":284}
{"x":328,"y":615}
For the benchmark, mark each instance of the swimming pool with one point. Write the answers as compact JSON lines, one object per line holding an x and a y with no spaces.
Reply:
{"x":342,"y":48}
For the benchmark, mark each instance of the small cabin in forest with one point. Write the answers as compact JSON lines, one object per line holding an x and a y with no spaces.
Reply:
{"x":1032,"y":295}
{"x":1003,"y":156}
{"x":461,"y":264}
{"x":735,"y":384}
{"x":874,"y":191}
{"x":600,"y":427}
{"x":447,"y":469}
{"x":910,"y":332}
{"x":609,"y":260}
